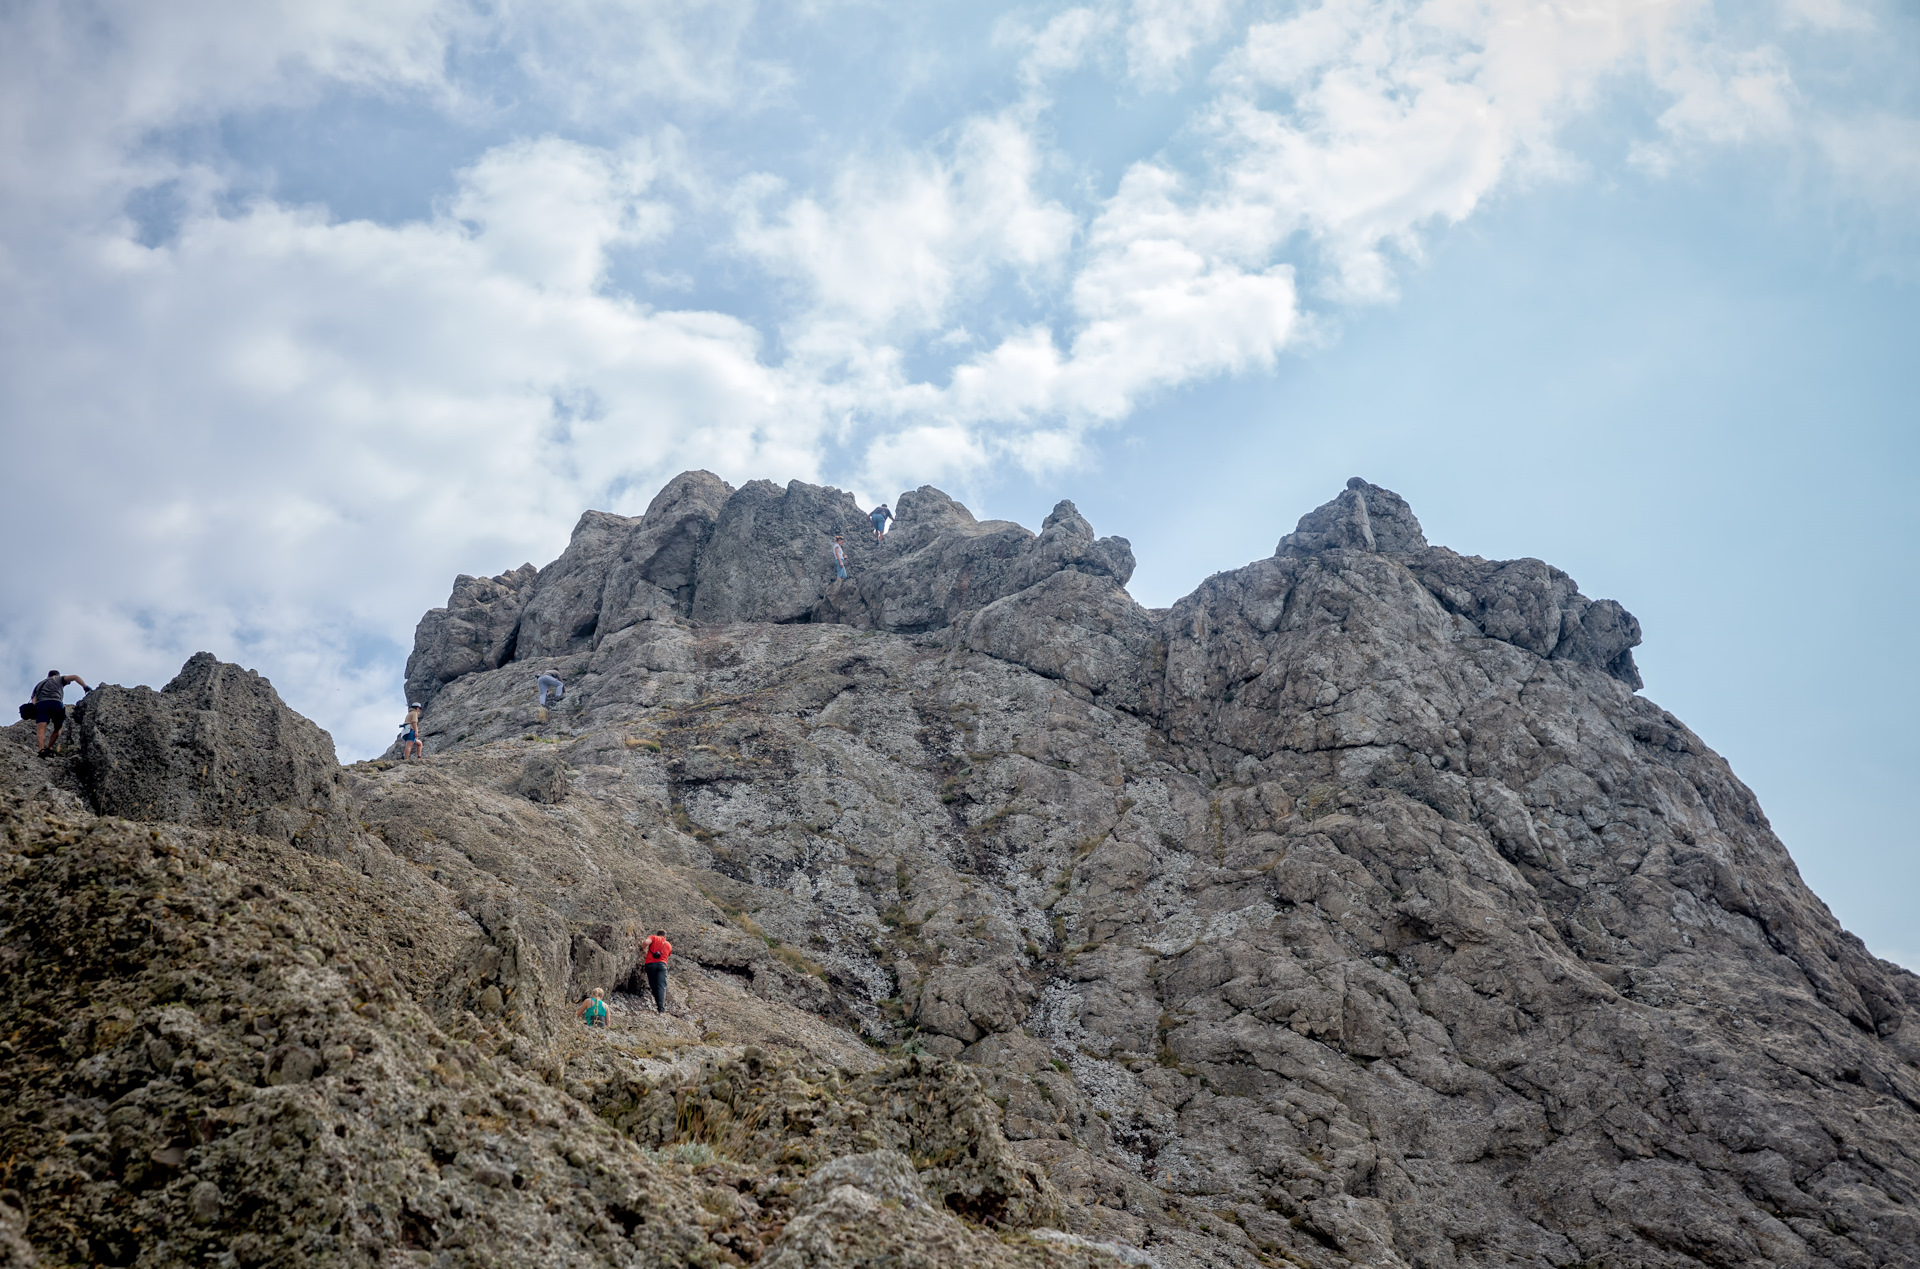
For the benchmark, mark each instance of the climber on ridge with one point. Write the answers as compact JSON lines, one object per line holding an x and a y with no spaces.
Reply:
{"x":880,"y":516}
{"x":593,"y":1009}
{"x":50,"y":706}
{"x":840,"y":557}
{"x":549,"y":682}
{"x":658,"y":950}
{"x":410,"y":746}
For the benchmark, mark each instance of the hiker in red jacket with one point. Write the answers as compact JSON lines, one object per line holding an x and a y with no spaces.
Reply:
{"x":658,"y":950}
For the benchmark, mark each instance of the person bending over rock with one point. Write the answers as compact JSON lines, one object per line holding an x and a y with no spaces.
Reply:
{"x":50,"y":706}
{"x":880,"y":516}
{"x":658,"y":950}
{"x":550,"y":683}
{"x":840,"y":557}
{"x":593,"y":1009}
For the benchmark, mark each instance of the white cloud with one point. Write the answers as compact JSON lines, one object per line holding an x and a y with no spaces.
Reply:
{"x":82,"y":85}
{"x":603,"y":58}
{"x":1062,"y":45}
{"x":900,"y":237}
{"x":548,"y":211}
{"x":312,"y":424}
{"x":1826,"y":15}
{"x":294,"y":426}
{"x":1163,"y":35}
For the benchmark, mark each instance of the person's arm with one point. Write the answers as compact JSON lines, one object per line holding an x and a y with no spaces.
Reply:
{"x":75,"y":678}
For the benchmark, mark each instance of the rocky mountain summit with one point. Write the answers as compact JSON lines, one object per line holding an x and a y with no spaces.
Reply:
{"x":1356,"y":910}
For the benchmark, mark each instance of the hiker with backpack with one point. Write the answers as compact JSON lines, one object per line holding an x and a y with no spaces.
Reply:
{"x":658,"y":950}
{"x":50,"y":706}
{"x":880,"y":516}
{"x":593,"y":1009}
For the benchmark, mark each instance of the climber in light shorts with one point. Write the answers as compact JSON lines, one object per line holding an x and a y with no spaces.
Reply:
{"x":840,"y":557}
{"x":658,"y":950}
{"x":880,"y":515}
{"x":410,"y":746}
{"x":550,"y":683}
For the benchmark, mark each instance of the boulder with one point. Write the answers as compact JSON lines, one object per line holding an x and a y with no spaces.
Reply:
{"x":1526,"y":602}
{"x":543,"y":778}
{"x":771,"y":554}
{"x":883,"y":1174}
{"x":477,"y":630}
{"x":618,"y":571}
{"x":216,"y":747}
{"x":940,"y":564}
{"x":968,"y":1004}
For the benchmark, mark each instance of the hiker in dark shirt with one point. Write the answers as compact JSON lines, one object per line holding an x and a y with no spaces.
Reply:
{"x":880,"y":516}
{"x":49,"y":706}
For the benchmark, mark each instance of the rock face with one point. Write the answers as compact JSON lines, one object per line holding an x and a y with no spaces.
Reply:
{"x":1356,"y":910}
{"x":714,"y":555}
{"x":216,"y":747}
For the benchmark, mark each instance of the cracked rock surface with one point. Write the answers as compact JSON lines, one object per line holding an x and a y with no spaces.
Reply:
{"x":1356,"y":910}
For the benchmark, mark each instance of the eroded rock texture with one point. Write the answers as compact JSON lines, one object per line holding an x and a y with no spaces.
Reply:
{"x":216,"y":747}
{"x":1353,"y":911}
{"x":716,"y":555}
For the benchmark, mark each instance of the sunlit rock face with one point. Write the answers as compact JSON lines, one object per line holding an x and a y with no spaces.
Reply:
{"x":1355,"y":910}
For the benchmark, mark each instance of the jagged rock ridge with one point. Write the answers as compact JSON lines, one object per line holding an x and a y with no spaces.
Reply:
{"x":716,"y":555}
{"x":1354,"y":910}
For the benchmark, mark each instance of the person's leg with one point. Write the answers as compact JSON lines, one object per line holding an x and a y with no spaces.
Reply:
{"x":40,"y":733}
{"x":657,"y":984}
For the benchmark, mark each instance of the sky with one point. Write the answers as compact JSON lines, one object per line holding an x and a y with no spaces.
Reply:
{"x":311,"y":306}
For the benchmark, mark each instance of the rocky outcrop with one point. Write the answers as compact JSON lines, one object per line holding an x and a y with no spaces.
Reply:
{"x":479,"y":629}
{"x":1523,"y":602}
{"x":216,"y":747}
{"x":615,"y":572}
{"x":715,"y":555}
{"x":1356,"y":906}
{"x":1355,"y":910}
{"x":219,"y":1049}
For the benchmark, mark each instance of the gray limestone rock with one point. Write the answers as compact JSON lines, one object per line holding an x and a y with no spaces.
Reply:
{"x":617,"y":571}
{"x":967,"y":1004}
{"x":477,"y":630}
{"x":1356,"y":907}
{"x":717,"y":555}
{"x":653,"y":575}
{"x":543,"y":778}
{"x":1355,"y":910}
{"x":1363,"y":517}
{"x":1523,"y":602}
{"x":882,"y":1174}
{"x":216,"y":747}
{"x":771,"y":554}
